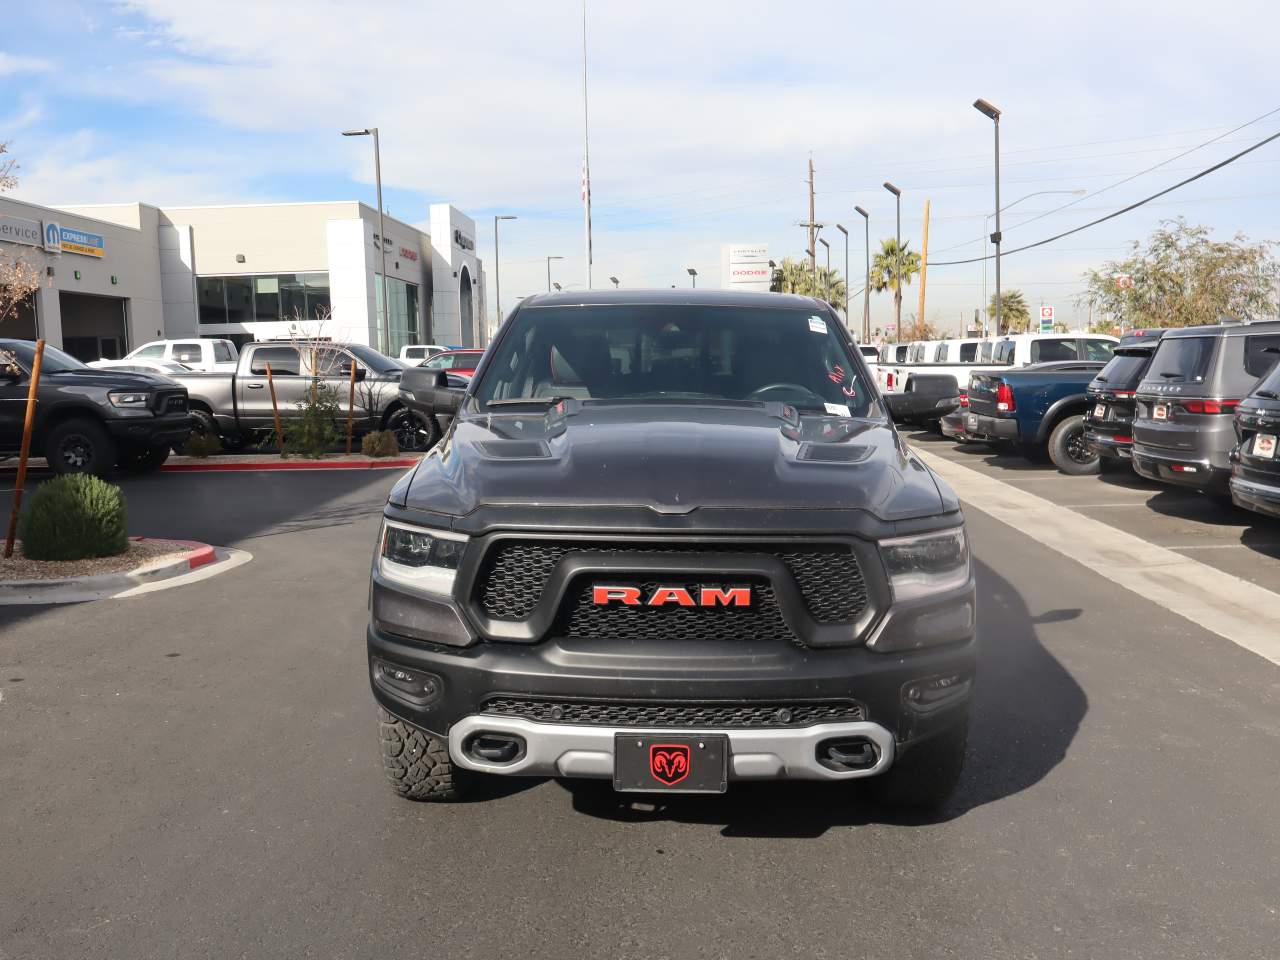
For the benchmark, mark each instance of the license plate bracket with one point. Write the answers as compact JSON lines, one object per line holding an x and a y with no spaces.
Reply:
{"x":1099,"y":411}
{"x":1160,"y":411}
{"x":660,"y":763}
{"x":1264,"y":446}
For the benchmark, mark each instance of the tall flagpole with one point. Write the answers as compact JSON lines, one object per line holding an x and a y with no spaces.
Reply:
{"x":586,"y":149}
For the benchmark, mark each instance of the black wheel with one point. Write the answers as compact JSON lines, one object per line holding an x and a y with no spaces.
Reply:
{"x":414,"y":432}
{"x":79,"y":446}
{"x":416,"y":763}
{"x":1070,"y":451}
{"x":143,"y":459}
{"x":926,"y":775}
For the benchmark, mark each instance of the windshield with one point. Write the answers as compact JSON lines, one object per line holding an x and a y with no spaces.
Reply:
{"x":371,"y":358}
{"x":53,"y":361}
{"x":688,"y":352}
{"x":1124,"y":370}
{"x":1184,"y":359}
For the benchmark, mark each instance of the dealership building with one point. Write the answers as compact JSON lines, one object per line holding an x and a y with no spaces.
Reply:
{"x":116,"y":276}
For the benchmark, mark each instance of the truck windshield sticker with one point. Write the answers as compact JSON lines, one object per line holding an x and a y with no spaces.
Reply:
{"x":817,"y":325}
{"x":837,"y":409}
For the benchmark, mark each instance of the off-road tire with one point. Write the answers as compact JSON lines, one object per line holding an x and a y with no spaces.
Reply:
{"x":143,"y":459}
{"x":414,"y":432}
{"x":416,"y":763}
{"x":79,"y":446}
{"x":926,"y":775}
{"x":1066,"y":444}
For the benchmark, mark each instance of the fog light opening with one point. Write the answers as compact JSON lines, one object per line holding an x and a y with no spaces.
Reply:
{"x":494,"y":748}
{"x":848,"y":753}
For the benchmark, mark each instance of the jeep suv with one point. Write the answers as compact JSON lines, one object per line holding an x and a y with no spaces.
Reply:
{"x":1255,"y":474}
{"x":1183,"y":428}
{"x":672,"y":541}
{"x":1108,"y":419}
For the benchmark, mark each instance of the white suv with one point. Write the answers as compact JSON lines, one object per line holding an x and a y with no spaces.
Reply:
{"x":204,"y":355}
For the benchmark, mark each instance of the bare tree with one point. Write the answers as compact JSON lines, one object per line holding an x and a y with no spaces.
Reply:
{"x":19,"y":279}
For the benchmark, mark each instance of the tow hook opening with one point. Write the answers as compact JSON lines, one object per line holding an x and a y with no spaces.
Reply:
{"x":495,"y":748}
{"x":848,"y":753}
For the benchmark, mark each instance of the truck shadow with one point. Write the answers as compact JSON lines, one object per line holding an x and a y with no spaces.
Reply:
{"x":1027,"y":709}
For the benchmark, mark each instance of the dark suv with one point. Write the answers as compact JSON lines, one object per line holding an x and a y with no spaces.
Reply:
{"x":1255,"y":476}
{"x":1183,"y":428}
{"x":671,"y":540}
{"x":1108,"y":420}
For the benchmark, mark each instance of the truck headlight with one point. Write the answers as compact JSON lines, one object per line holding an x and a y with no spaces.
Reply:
{"x":425,"y":559}
{"x":123,"y":398}
{"x":925,"y":564}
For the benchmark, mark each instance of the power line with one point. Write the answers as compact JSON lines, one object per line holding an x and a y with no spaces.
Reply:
{"x":1122,"y":210}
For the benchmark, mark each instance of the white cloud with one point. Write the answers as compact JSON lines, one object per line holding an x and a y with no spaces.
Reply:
{"x":11,"y":64}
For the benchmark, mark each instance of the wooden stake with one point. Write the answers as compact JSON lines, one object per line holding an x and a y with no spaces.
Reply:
{"x":351,"y":404}
{"x":26,"y":449}
{"x":924,"y":264}
{"x":275,"y":410}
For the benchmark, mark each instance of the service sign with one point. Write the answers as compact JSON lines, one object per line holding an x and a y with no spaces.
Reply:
{"x":18,"y":230}
{"x":85,"y":244}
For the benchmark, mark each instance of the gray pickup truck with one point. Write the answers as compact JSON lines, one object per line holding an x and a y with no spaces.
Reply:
{"x":236,"y":406}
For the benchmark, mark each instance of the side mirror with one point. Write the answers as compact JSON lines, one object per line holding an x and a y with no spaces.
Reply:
{"x":361,"y":373}
{"x":444,"y":399}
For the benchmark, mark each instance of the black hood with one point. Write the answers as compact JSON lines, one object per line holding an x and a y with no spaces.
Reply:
{"x":108,"y":379}
{"x":673,"y":459}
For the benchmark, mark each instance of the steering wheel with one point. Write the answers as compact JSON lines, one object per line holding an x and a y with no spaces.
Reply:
{"x":758,"y":393}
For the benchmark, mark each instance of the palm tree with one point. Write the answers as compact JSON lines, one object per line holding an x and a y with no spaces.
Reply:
{"x":884,"y":273}
{"x":796,"y":276}
{"x":1015,"y":315}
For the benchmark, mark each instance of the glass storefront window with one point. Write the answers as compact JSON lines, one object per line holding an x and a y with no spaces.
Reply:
{"x":211,"y":297}
{"x":266,"y":298}
{"x":317,"y":290}
{"x":240,"y":307}
{"x":293,"y":297}
{"x":403,"y":317}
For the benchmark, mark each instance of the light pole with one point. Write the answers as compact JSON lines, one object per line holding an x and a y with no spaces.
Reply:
{"x":986,"y":218}
{"x":549,"y":259}
{"x":866,"y":280}
{"x":693,"y":275}
{"x":384,"y":334}
{"x":987,"y":110}
{"x":897,"y":267}
{"x":845,"y":234}
{"x":614,"y":281}
{"x":497,"y":271}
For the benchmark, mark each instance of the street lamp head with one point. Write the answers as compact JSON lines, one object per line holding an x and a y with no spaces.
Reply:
{"x":357,"y":133}
{"x":555,"y":258}
{"x":558,"y":287}
{"x":692,"y":272}
{"x":986,"y":109}
{"x":863,"y":212}
{"x":892,"y":189}
{"x":507,"y":216}
{"x":824,"y":243}
{"x":840,"y":227}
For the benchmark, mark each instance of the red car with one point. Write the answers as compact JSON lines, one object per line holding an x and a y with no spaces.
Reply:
{"x":462,"y":362}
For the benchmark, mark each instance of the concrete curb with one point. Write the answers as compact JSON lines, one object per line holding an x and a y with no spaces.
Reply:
{"x":204,"y":561}
{"x":401,"y":463}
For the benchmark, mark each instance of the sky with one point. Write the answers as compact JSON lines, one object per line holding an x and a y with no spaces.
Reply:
{"x":703,"y":117}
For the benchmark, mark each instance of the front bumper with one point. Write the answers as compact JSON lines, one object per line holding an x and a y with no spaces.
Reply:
{"x":563,"y":750}
{"x":1255,"y":496}
{"x":151,"y":431}
{"x":990,"y":428}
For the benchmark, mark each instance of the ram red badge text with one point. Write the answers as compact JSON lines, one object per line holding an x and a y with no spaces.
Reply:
{"x":672,"y":596}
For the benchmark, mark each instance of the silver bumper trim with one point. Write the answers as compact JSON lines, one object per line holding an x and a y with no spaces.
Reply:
{"x":573,"y":750}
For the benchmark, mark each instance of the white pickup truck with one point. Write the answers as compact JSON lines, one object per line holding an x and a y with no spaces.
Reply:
{"x":929,"y":385}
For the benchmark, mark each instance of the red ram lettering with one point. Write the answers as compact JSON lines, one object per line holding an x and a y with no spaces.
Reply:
{"x":725,"y":597}
{"x":606,"y":595}
{"x":665,"y":595}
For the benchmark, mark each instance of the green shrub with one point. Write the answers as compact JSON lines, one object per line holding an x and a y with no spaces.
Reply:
{"x":201,"y":445}
{"x":380,"y":443}
{"x":314,"y":432}
{"x":73,"y":517}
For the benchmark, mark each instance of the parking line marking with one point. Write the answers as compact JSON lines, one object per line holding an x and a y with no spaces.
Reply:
{"x":1217,"y":601}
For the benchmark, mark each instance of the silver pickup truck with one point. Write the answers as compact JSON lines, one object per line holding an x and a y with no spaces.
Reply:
{"x":236,"y":406}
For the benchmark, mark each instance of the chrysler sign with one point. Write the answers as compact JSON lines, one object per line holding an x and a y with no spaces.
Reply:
{"x":745,"y":266}
{"x":18,"y":230}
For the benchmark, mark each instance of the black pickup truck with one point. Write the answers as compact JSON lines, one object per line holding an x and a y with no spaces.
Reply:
{"x":87,"y":420}
{"x":671,"y":540}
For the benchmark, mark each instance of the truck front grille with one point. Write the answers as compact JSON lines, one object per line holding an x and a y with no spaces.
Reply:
{"x":171,"y":403}
{"x":515,"y":573}
{"x":686,"y":715}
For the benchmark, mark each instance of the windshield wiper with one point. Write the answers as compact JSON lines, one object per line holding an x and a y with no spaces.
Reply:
{"x":516,"y":401}
{"x":1170,"y":376}
{"x":1269,"y":394}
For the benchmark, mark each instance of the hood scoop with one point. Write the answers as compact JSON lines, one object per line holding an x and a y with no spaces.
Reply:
{"x":513,"y":449}
{"x":834,"y":452}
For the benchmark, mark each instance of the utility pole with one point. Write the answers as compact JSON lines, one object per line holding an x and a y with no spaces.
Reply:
{"x":813,"y":247}
{"x":586,"y":148}
{"x":924,"y":262}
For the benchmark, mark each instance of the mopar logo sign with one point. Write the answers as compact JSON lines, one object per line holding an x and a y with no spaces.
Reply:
{"x":52,"y":237}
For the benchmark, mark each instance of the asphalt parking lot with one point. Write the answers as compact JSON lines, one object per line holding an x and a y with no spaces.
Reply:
{"x":194,"y":773}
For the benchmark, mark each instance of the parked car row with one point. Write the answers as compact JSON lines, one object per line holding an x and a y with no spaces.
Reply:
{"x":1197,"y":407}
